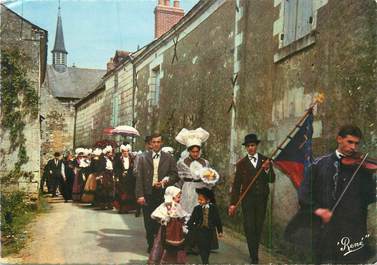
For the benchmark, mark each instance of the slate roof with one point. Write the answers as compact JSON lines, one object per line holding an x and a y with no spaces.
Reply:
{"x":74,"y":83}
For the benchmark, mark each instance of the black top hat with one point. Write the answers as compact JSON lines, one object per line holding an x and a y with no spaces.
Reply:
{"x":206,"y":193}
{"x":251,"y":138}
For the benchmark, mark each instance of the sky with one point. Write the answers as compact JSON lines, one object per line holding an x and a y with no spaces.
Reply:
{"x":94,"y":29}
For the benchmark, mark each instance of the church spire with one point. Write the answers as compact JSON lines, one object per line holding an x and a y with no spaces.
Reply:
{"x":59,"y":53}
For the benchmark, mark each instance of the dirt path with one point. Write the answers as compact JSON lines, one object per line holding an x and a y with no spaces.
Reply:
{"x":77,"y":234}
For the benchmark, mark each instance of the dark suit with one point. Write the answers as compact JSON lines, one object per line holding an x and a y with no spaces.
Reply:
{"x":70,"y":175}
{"x":153,"y":196}
{"x":54,"y":171}
{"x":203,"y":234}
{"x":321,"y":189}
{"x":255,"y":202}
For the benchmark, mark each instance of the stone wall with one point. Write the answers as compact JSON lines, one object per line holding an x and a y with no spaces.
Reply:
{"x":195,"y":84}
{"x":17,"y":32}
{"x":57,"y":127}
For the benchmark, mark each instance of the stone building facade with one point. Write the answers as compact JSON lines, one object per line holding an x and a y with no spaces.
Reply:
{"x":31,"y":40}
{"x":234,"y":67}
{"x":110,"y":105}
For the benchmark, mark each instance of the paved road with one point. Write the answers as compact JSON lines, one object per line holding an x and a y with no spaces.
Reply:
{"x":75,"y":233}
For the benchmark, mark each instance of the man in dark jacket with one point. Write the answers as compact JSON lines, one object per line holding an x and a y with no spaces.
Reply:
{"x":343,"y":235}
{"x":54,"y":173}
{"x":254,"y":203}
{"x":155,"y":171}
{"x":68,"y":176}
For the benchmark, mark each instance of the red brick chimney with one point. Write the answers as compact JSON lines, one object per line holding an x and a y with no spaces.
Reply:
{"x":166,"y":16}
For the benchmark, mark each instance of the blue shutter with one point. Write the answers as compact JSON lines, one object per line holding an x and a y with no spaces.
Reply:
{"x":304,"y":17}
{"x":290,"y":16}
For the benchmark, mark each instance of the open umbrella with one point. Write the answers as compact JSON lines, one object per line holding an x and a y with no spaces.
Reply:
{"x":125,"y":130}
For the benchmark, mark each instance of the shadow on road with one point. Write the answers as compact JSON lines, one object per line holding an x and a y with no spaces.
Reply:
{"x":121,"y":240}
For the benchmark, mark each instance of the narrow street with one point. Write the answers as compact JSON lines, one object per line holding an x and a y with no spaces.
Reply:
{"x":76,"y":234}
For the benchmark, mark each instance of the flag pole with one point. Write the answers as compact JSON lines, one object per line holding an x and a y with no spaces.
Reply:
{"x":318,"y":99}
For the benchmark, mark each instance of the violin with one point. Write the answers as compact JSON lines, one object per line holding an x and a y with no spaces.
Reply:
{"x":356,"y":158}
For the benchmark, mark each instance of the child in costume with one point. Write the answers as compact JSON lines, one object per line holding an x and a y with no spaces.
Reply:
{"x":168,"y":246}
{"x":204,"y":220}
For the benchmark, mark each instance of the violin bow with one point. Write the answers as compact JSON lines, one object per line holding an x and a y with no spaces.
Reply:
{"x":349,"y":183}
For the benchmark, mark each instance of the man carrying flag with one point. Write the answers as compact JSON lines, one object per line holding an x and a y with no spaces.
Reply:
{"x":255,"y":200}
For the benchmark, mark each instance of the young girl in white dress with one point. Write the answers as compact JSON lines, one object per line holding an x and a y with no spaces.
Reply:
{"x":168,"y":247}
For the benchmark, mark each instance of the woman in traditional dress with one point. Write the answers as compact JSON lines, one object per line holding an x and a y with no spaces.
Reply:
{"x":125,"y":200}
{"x":91,"y":182}
{"x":79,"y":165}
{"x":192,"y":172}
{"x":190,"y":167}
{"x":105,"y":182}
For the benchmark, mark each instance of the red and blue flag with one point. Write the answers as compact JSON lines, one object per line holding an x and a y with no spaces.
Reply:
{"x":296,"y":157}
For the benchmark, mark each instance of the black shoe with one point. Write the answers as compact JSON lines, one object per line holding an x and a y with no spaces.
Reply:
{"x":65,"y":201}
{"x":254,"y":261}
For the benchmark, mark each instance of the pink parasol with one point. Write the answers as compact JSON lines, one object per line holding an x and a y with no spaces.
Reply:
{"x":125,"y":130}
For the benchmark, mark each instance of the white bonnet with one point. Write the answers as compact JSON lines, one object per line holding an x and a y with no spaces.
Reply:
{"x":97,"y":152}
{"x":107,"y":149}
{"x":126,"y":147}
{"x":79,"y":150}
{"x":192,"y":137}
{"x":170,"y":193}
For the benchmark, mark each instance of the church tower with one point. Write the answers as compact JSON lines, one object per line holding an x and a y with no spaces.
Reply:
{"x":59,"y":53}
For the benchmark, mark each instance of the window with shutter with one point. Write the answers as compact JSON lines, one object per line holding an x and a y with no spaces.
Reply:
{"x":298,"y":18}
{"x":290,"y":16}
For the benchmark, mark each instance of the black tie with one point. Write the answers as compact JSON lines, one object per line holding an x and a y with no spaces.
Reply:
{"x":156,"y":156}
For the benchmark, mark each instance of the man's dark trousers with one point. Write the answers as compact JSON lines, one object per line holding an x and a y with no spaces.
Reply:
{"x":152,"y":202}
{"x":254,"y":212}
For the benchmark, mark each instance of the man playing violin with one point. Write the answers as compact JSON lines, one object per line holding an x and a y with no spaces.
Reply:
{"x":343,"y":235}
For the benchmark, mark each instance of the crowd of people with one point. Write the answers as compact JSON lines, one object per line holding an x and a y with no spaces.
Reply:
{"x":151,"y":180}
{"x":178,"y":199}
{"x":99,"y":176}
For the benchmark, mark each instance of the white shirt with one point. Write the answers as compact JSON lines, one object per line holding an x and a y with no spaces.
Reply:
{"x":63,"y":172}
{"x":339,"y":155}
{"x":126,"y":162}
{"x":109,"y":164}
{"x":253,"y":159}
{"x":156,"y":161}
